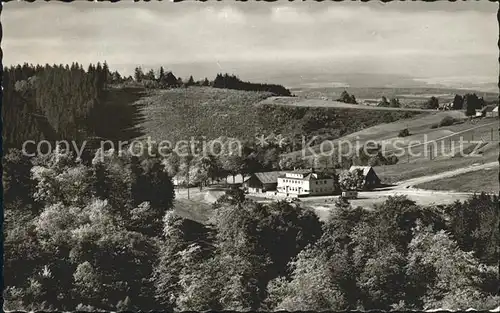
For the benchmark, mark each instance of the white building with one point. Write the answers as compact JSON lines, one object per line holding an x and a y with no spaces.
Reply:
{"x":304,"y":183}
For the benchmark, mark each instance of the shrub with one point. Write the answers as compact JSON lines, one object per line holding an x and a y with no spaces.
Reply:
{"x":433,"y":126}
{"x":391,"y":160}
{"x":447,"y":121}
{"x":404,"y":133}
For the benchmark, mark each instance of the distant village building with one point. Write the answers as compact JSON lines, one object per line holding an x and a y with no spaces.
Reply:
{"x":371,"y":180}
{"x":305,"y":183}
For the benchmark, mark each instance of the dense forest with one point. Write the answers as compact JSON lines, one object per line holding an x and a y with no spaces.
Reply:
{"x":51,"y":102}
{"x":106,"y":236}
{"x":233,"y":82}
{"x":69,"y":102}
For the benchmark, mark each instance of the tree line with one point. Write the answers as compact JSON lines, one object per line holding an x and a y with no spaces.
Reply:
{"x":106,"y":236}
{"x":51,"y":102}
{"x":233,"y":82}
{"x":166,"y":79}
{"x":66,"y":101}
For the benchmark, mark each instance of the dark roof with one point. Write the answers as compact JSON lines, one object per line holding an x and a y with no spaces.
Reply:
{"x":268,"y":177}
{"x":272,"y":177}
{"x":489,"y":108}
{"x":365,"y":169}
{"x":309,"y":175}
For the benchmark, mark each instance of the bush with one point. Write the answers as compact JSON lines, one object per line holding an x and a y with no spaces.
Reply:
{"x":391,"y":160}
{"x":447,"y":121}
{"x":433,"y":126}
{"x":404,"y":133}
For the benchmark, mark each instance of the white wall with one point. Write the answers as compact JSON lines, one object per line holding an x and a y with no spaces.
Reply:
{"x":305,"y":187}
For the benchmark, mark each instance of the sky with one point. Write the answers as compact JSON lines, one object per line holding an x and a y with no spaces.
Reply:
{"x":440,"y":41}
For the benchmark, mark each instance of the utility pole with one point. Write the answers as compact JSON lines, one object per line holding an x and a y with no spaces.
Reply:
{"x":188,"y":182}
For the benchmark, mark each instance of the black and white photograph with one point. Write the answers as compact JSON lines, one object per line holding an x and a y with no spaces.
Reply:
{"x":250,"y":156}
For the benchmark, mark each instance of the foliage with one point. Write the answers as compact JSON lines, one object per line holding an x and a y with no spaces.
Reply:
{"x":432,"y":103}
{"x":347,"y":98}
{"x":351,"y":180}
{"x":393,"y":103}
{"x":473,"y":224}
{"x":101,"y":234}
{"x":233,"y":82}
{"x":74,"y":235}
{"x":471,"y":103}
{"x":109,"y":244}
{"x":404,"y":133}
{"x":458,"y":102}
{"x":446,"y":121}
{"x":371,"y":155}
{"x":383,"y":102}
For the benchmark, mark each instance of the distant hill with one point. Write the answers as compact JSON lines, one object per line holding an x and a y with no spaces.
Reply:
{"x":178,"y":114}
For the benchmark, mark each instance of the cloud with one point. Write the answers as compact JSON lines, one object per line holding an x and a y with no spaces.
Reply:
{"x":380,"y":37}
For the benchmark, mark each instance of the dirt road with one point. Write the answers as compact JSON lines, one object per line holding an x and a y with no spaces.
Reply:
{"x":424,"y":179}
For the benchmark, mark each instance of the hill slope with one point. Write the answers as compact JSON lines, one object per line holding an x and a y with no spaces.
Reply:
{"x":178,"y":114}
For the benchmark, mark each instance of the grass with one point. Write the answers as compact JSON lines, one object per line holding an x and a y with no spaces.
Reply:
{"x":179,"y":114}
{"x":478,"y":181}
{"x":197,"y":211}
{"x":387,"y":131}
{"x":393,"y":173}
{"x":409,"y":97}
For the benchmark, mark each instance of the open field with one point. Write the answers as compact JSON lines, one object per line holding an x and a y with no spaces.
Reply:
{"x":179,"y":114}
{"x":477,"y":181}
{"x":197,"y":211}
{"x":301,"y":102}
{"x":404,"y":171}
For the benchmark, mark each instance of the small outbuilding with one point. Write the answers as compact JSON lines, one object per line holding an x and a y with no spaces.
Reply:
{"x":262,"y":182}
{"x":371,"y":179}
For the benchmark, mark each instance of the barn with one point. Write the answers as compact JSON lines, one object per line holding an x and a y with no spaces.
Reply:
{"x":371,"y":179}
{"x":262,"y":182}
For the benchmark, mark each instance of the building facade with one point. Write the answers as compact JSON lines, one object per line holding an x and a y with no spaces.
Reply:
{"x":297,"y":183}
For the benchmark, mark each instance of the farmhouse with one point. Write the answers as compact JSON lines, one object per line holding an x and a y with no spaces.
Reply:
{"x":304,"y":183}
{"x":490,"y":111}
{"x":371,"y":179}
{"x":262,"y":182}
